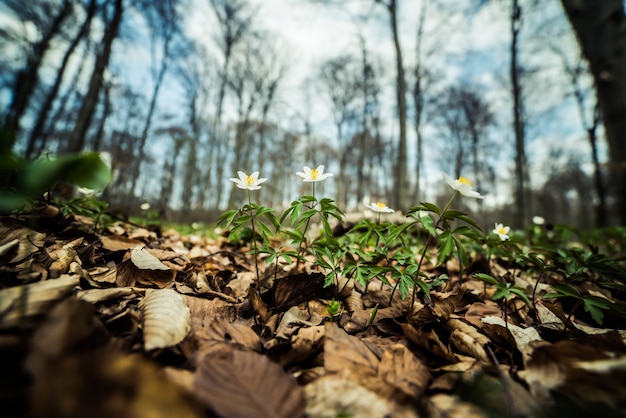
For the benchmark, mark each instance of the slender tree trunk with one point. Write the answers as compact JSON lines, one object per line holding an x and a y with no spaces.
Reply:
{"x":42,"y":117}
{"x":598,"y":178}
{"x":418,"y":100}
{"x":151,"y":107}
{"x":401,"y":188}
{"x":28,"y":78}
{"x":521,"y":165}
{"x":76,"y":141}
{"x":600,"y":27}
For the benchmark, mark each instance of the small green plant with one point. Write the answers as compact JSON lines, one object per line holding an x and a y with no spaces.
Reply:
{"x":334,"y":308}
{"x":449,"y":238}
{"x":394,"y":253}
{"x":302,"y":211}
{"x":251,"y":213}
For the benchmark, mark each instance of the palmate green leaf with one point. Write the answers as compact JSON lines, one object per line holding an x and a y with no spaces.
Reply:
{"x":563,"y":290}
{"x":396,"y":230}
{"x":265,"y":231}
{"x":446,"y":245}
{"x":429,"y":224}
{"x":461,"y":253}
{"x":430,"y":207}
{"x":227,"y":217}
{"x":304,"y":217}
{"x":243,"y":219}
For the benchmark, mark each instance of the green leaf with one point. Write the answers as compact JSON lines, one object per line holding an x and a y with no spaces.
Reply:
{"x":487,"y":278}
{"x":522,"y":294}
{"x":429,"y":224}
{"x":446,"y":245}
{"x":501,"y":293}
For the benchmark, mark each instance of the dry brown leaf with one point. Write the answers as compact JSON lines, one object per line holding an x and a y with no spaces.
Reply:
{"x":104,"y":274}
{"x":99,"y":295}
{"x":403,"y":370}
{"x":143,"y":260}
{"x":296,"y":316}
{"x":165,"y":318}
{"x":247,"y":384}
{"x":223,"y":335}
{"x":20,"y":304}
{"x":119,"y":243}
{"x":522,"y":336}
{"x":467,"y":339}
{"x":582,"y":371}
{"x":428,"y":339}
{"x":204,"y":311}
{"x":345,"y":352}
{"x":338,"y":395}
{"x":353,"y":301}
{"x":295,"y":289}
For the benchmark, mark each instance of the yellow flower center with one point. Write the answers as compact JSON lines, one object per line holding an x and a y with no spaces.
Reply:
{"x":465,"y":181}
{"x":314,"y":174}
{"x":249,"y":180}
{"x":380,"y":205}
{"x":501,"y":230}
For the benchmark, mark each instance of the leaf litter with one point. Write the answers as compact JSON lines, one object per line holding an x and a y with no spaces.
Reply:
{"x":132,"y":322}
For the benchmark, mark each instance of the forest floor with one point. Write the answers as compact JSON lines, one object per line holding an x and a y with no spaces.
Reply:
{"x":131,"y":322}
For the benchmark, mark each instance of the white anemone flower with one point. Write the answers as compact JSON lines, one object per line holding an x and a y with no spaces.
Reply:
{"x":248,"y":182}
{"x":313,"y":174}
{"x":380,"y":207}
{"x":538,"y":220}
{"x":502,"y":231}
{"x":463,"y":186}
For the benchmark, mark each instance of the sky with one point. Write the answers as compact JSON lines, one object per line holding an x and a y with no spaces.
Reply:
{"x":471,"y":45}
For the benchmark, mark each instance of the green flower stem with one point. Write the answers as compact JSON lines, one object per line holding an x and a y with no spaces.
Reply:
{"x":377,"y":235}
{"x":256,"y":259}
{"x":306,"y":228}
{"x":419,"y":264}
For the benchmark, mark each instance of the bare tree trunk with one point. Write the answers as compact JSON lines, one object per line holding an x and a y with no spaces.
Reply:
{"x":521,"y":165}
{"x":28,"y":78}
{"x":76,"y":141}
{"x":42,"y":117}
{"x":151,"y":107}
{"x":418,"y":101}
{"x":599,"y":26}
{"x":401,"y":188}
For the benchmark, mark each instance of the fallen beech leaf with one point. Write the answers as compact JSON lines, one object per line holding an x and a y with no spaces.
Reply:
{"x":343,"y":351}
{"x":467,"y":339}
{"x":247,"y":384}
{"x":293,"y":318}
{"x":119,"y":243}
{"x":99,"y":295}
{"x":295,"y":289}
{"x":21,"y":303}
{"x":336,"y":395}
{"x":522,"y":336}
{"x":403,"y":370}
{"x":143,"y":260}
{"x":165,"y":317}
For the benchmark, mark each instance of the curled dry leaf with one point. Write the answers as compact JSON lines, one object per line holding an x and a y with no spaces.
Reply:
{"x":165,"y":317}
{"x":467,"y":339}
